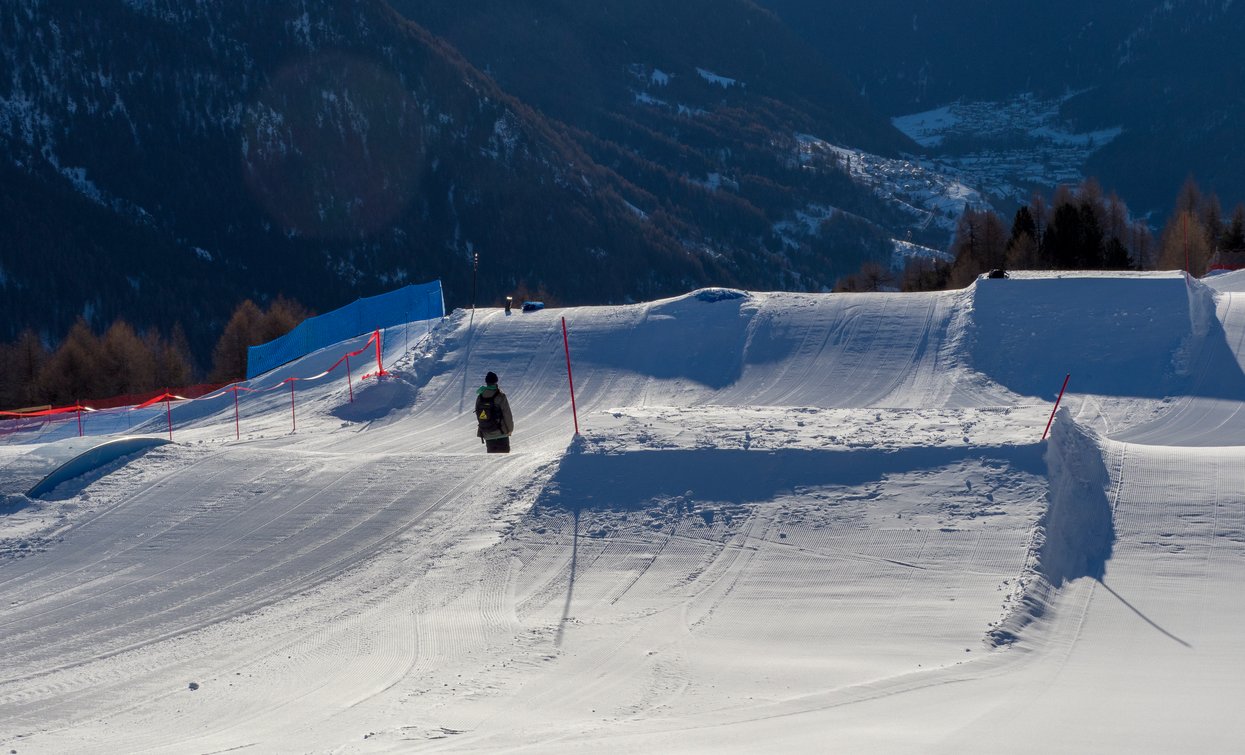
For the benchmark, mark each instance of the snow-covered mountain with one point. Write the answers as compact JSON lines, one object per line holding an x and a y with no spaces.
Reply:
{"x":164,"y":160}
{"x":1161,"y":74}
{"x":802,"y":522}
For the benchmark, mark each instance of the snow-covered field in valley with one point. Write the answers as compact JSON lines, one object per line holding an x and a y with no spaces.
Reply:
{"x":790,"y":522}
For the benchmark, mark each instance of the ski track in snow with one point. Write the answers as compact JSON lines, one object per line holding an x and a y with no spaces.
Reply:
{"x":788,"y":515}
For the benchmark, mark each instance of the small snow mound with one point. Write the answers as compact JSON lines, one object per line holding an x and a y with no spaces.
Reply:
{"x":712,"y":295}
{"x":375,"y":399}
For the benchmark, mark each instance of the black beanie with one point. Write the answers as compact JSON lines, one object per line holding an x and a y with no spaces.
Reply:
{"x":490,"y":379}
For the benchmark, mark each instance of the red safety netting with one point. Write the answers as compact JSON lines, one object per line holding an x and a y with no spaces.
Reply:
{"x":201,"y":391}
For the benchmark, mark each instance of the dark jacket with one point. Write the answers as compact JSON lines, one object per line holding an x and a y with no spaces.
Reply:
{"x":487,"y":392}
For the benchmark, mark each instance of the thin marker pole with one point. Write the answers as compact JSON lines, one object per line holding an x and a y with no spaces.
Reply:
{"x":1056,"y":407}
{"x":475,"y":268}
{"x":348,"y":383}
{"x":566,"y":342}
{"x":293,"y":419}
{"x":237,"y":428}
{"x":79,"y":405}
{"x":380,"y":366}
{"x":168,"y":413}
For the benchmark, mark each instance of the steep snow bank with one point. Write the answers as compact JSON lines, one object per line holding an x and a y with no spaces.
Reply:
{"x":1119,"y":334}
{"x":1077,"y":530}
{"x":1075,"y":536}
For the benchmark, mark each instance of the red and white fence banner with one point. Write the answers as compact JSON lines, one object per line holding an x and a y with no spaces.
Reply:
{"x":135,"y":402}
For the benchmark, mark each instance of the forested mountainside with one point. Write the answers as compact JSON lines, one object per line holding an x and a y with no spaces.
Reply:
{"x":1166,"y":72}
{"x":164,"y":160}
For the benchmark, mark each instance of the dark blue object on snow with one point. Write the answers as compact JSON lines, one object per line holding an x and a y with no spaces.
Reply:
{"x":532,"y":306}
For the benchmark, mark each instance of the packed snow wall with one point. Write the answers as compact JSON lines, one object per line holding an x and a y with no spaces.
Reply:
{"x":1141,"y":335}
{"x":1075,"y":537}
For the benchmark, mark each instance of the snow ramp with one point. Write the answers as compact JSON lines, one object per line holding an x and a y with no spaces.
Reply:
{"x":1143,"y":335}
{"x":790,"y":521}
{"x":1132,"y":602}
{"x":97,"y":457}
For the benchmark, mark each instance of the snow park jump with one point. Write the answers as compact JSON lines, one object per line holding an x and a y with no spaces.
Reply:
{"x":788,"y":522}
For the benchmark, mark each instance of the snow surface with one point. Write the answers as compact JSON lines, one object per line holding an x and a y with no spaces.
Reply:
{"x":791,"y":522}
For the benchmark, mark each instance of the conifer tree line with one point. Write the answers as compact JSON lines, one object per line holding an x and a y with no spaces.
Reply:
{"x":1077,"y":228}
{"x":120,"y":361}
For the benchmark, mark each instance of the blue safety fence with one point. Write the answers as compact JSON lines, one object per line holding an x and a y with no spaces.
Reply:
{"x":414,"y":303}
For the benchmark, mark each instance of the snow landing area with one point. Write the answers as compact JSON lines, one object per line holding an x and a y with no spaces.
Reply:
{"x":790,"y":522}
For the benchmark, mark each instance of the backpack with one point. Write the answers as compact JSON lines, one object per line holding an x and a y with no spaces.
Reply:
{"x":488,"y":415}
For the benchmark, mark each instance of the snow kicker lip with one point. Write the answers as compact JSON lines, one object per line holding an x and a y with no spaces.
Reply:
{"x":93,"y":459}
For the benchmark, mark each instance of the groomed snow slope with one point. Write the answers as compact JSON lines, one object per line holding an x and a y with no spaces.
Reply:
{"x":791,"y":522}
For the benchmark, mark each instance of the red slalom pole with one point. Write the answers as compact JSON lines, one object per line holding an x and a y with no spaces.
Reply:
{"x":293,"y":419}
{"x":566,"y":343}
{"x":237,"y":428}
{"x":168,"y":412}
{"x":380,"y":367}
{"x":1056,"y":407}
{"x":348,"y":385}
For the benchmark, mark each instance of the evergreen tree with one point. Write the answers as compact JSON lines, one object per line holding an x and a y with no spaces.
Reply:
{"x":1062,"y":241}
{"x":1116,"y":255}
{"x":1089,"y":249}
{"x":1022,"y":250}
{"x":1233,"y":239}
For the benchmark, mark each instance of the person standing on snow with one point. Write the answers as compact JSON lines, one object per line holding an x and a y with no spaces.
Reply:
{"x":493,"y":416}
